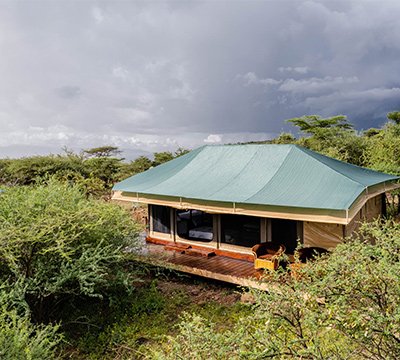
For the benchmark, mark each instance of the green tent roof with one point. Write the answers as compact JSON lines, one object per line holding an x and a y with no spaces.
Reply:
{"x":273,"y":175}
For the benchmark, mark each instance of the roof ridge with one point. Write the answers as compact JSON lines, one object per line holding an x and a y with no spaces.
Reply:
{"x":301,"y":148}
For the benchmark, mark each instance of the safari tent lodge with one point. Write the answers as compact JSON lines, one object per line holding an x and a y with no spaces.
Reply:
{"x":226,"y":199}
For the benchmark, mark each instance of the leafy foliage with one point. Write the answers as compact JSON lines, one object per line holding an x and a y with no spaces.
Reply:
{"x":19,"y":338}
{"x":162,"y":157}
{"x":394,"y":116}
{"x":102,"y":151}
{"x":26,"y":171}
{"x":60,"y":249}
{"x":342,"y":306}
{"x":335,"y":137}
{"x":60,"y":244}
{"x":95,"y":170}
{"x":382,"y":153}
{"x":284,"y":138}
{"x":312,"y":124}
{"x":142,"y":163}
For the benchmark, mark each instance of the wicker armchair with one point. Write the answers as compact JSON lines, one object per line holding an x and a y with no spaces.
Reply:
{"x":266,"y":255}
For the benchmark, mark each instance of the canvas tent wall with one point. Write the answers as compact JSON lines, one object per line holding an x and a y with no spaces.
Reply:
{"x":240,"y":233}
{"x":329,"y":235}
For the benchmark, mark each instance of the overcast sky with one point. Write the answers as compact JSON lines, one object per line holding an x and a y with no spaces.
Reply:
{"x":152,"y":76}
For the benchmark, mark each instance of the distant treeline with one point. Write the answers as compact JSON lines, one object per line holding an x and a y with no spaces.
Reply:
{"x":97,"y":169}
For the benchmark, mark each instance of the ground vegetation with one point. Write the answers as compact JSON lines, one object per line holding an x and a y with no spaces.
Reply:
{"x":71,"y":285}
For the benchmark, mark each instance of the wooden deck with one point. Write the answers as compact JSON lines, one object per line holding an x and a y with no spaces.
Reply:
{"x":222,"y":268}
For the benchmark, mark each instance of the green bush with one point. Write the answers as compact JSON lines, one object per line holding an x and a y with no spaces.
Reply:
{"x":383,"y":149}
{"x":342,"y":306}
{"x":96,"y":170}
{"x":19,"y":338}
{"x":149,"y":302}
{"x":61,"y":244}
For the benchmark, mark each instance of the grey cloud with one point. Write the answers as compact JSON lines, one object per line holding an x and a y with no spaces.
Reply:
{"x":162,"y":74}
{"x":296,"y":69}
{"x":251,"y":79}
{"x":69,"y":92}
{"x":315,"y":85}
{"x":375,"y":102}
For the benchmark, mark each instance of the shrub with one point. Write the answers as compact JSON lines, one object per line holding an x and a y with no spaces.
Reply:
{"x":342,"y":306}
{"x":19,"y":339}
{"x":61,"y":244}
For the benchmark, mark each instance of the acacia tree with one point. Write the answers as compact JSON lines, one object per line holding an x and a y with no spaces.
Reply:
{"x":312,"y":124}
{"x":333,"y":136}
{"x":103,"y":151}
{"x":394,"y":116}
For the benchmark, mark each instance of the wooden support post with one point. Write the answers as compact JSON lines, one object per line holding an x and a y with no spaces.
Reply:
{"x":300,"y":231}
{"x":151,"y":219}
{"x":218,"y":230}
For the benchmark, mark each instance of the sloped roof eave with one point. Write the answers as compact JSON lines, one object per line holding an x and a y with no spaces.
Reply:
{"x":337,"y":216}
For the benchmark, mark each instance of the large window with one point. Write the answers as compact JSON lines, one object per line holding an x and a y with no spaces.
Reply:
{"x":194,"y":225}
{"x":240,"y":230}
{"x":161,"y":218}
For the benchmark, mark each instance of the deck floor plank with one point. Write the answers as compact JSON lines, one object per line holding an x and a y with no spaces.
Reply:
{"x":223,"y":268}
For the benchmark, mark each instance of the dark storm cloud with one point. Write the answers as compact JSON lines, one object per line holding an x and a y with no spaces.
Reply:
{"x":163,"y":74}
